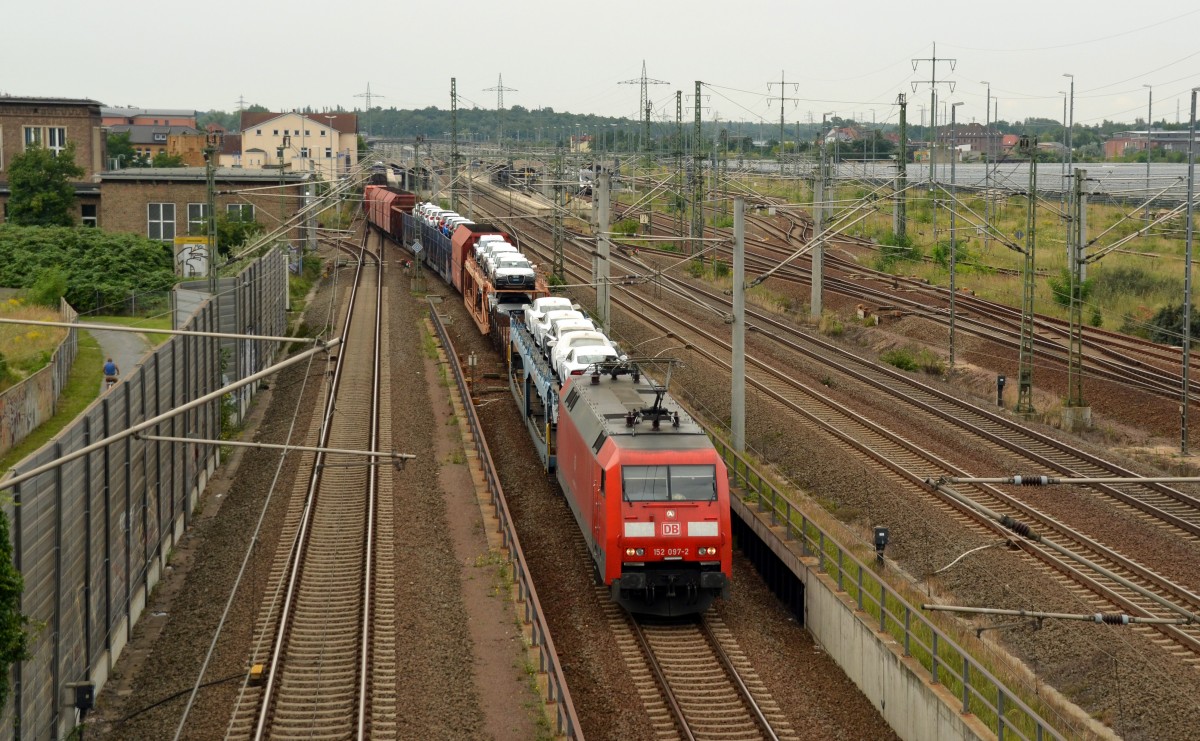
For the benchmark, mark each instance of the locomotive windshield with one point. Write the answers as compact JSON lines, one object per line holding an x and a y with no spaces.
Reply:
{"x":683,"y":483}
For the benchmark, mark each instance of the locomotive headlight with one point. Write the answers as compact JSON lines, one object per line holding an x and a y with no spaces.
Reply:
{"x":707,"y":551}
{"x":635,"y":551}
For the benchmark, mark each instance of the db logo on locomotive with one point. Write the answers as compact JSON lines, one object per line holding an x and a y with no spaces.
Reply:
{"x":671,"y":528}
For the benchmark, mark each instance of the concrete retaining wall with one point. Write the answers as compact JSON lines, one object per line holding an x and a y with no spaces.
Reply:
{"x":35,"y":400}
{"x":915,"y":708}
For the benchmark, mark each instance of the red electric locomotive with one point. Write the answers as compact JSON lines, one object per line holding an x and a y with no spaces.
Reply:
{"x":649,"y":491}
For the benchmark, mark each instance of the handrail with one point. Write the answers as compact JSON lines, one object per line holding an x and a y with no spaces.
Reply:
{"x":947,"y":663}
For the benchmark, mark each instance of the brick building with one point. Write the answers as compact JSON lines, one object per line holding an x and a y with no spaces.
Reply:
{"x":1128,"y":142}
{"x":54,"y":123}
{"x":976,"y":137}
{"x":152,"y":140}
{"x":164,"y":202}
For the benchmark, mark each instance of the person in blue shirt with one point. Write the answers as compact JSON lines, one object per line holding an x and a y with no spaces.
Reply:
{"x":111,"y":371}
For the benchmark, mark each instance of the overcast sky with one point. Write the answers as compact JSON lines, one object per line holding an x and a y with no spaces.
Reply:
{"x":848,"y":58}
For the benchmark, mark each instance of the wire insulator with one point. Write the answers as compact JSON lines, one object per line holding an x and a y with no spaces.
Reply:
{"x":1031,"y":480}
{"x":1016,"y":526}
{"x":1112,"y":618}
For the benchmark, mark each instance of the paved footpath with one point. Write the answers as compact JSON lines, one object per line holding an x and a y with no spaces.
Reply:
{"x":125,"y":348}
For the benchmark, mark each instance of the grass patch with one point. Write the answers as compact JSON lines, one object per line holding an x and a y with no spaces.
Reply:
{"x":159,"y":321}
{"x":299,"y":285}
{"x":914,"y":359}
{"x":27,"y":348}
{"x":429,"y":345}
{"x":830,"y":325}
{"x":83,"y":386}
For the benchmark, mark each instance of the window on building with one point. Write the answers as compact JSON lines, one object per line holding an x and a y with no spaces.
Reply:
{"x":279,"y":153}
{"x":87,"y":213}
{"x":297,"y":132}
{"x":258,"y":132}
{"x":276,"y":132}
{"x":56,"y":140}
{"x":304,"y":151}
{"x":160,"y":221}
{"x":328,"y":152}
{"x":197,"y":218}
{"x":240,"y":211}
{"x":33,"y":136}
{"x":307,"y":132}
{"x":322,"y":132}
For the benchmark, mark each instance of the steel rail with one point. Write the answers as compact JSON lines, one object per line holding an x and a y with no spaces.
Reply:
{"x":299,"y":546}
{"x":372,"y":493}
{"x":731,"y":670}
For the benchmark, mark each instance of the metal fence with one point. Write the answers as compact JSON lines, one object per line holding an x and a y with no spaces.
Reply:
{"x":948,"y":664}
{"x":92,"y":536}
{"x":35,"y":400}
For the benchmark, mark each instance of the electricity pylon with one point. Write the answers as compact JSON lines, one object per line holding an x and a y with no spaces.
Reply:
{"x":644,"y":107}
{"x":499,"y":89}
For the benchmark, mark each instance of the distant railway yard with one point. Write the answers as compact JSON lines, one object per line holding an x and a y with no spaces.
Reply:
{"x":480,"y":542}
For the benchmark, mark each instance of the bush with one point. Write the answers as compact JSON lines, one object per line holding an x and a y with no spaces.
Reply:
{"x":910,"y":359}
{"x":100,"y":267}
{"x":720,"y":269}
{"x":1166,"y":326}
{"x":963,"y":256}
{"x":1060,"y":288}
{"x":628,"y":227}
{"x":894,"y":249}
{"x":49,"y":288}
{"x":695,"y":268}
{"x":902,"y":358}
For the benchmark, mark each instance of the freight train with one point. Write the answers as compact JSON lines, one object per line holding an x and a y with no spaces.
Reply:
{"x":649,"y":492}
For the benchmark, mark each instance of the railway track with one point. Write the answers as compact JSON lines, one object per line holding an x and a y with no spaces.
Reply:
{"x":324,"y":652}
{"x":1130,"y":361}
{"x":694,"y":681}
{"x":1136,"y":589}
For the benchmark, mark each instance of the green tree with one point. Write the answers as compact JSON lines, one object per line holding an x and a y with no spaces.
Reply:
{"x":40,"y":182}
{"x":233,"y":231}
{"x":120,"y":149}
{"x":162,"y":159}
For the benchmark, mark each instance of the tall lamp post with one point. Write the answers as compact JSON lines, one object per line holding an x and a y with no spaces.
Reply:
{"x":1062,"y":180}
{"x":1149,"y":118}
